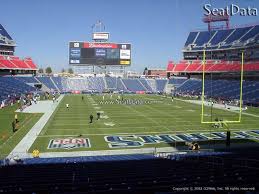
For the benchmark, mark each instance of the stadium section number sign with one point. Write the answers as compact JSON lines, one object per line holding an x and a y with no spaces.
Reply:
{"x":95,"y":53}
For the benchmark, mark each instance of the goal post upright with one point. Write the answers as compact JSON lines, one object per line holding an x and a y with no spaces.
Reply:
{"x":203,"y":92}
{"x":203,"y":82}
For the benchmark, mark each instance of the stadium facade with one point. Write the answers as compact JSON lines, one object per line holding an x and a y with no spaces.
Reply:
{"x":9,"y":63}
{"x":223,"y":50}
{"x":138,"y":173}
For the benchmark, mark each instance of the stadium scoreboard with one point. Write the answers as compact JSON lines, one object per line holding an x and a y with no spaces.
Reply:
{"x":99,"y":53}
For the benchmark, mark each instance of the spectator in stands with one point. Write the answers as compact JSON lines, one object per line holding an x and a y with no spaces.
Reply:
{"x":195,"y":146}
{"x":91,"y":118}
{"x":35,"y":100}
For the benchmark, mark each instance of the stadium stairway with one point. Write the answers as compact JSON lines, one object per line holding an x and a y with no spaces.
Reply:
{"x":152,"y":84}
{"x":56,"y":83}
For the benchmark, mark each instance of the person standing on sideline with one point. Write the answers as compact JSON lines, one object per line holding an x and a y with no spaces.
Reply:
{"x":13,"y":126}
{"x":16,"y":118}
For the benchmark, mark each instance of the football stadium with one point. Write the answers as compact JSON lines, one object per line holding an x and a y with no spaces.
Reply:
{"x":189,"y":125}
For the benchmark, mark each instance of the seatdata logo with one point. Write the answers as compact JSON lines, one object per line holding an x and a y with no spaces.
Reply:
{"x":230,"y":10}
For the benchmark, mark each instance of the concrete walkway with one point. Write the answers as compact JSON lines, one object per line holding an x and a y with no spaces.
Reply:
{"x":107,"y":152}
{"x":40,"y":107}
{"x":46,"y":107}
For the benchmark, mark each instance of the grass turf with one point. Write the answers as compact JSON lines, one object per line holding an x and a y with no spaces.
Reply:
{"x":8,"y":139}
{"x":163,"y":117}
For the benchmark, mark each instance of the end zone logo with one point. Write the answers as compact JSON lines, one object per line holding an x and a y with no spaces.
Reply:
{"x":69,"y":143}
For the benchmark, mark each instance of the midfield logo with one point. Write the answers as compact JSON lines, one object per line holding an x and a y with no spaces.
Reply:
{"x":69,"y":143}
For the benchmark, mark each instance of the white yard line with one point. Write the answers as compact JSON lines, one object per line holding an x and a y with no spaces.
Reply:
{"x":23,"y":146}
{"x":142,"y":114}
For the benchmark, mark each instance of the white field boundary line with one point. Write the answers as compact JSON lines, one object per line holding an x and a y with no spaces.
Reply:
{"x":107,"y":152}
{"x":124,"y":123}
{"x":24,"y":123}
{"x":141,"y":133}
{"x":23,"y":146}
{"x":145,"y":127}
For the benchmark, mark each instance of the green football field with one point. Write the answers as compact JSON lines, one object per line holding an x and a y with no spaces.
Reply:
{"x":8,"y":139}
{"x":157,"y":115}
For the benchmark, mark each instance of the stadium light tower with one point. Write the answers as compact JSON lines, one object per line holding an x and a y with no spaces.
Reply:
{"x":98,"y":32}
{"x":98,"y":27}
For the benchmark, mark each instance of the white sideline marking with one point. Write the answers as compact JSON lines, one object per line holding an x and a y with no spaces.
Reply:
{"x":107,"y":152}
{"x":24,"y":145}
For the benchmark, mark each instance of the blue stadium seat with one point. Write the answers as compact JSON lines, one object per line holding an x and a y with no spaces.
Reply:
{"x":58,"y":83}
{"x":222,"y":39}
{"x":47,"y":82}
{"x":229,"y":89}
{"x":10,"y":86}
{"x":27,"y":79}
{"x":133,"y":85}
{"x":160,"y":84}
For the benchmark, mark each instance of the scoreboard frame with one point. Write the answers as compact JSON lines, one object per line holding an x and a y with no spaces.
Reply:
{"x":83,"y":53}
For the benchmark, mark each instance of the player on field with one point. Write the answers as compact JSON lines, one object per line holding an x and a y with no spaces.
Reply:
{"x":16,"y":118}
{"x":13,"y":126}
{"x":98,"y":115}
{"x":67,"y":105}
{"x":91,"y":118}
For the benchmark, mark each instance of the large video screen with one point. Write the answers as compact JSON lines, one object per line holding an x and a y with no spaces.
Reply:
{"x":95,"y":53}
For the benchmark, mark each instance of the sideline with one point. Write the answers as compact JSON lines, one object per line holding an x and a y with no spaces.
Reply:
{"x":23,"y":146}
